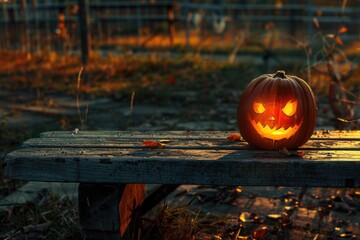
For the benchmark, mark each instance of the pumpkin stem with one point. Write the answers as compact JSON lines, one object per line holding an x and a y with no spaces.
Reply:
{"x":280,"y":74}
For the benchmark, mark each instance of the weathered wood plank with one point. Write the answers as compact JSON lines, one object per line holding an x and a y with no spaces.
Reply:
{"x":129,"y":143}
{"x":108,"y":155}
{"x":110,"y":211}
{"x":98,"y":209}
{"x":332,"y":158}
{"x":322,"y":134}
{"x":104,"y":142}
{"x":165,"y":166}
{"x":139,"y":134}
{"x":105,"y":159}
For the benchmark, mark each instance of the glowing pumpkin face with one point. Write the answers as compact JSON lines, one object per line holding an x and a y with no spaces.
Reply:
{"x":275,"y":122}
{"x":277,"y":111}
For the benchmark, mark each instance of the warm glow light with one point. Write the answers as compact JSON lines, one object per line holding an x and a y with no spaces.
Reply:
{"x":290,"y":108}
{"x":277,"y":111}
{"x":274,"y":133}
{"x":259,"y":107}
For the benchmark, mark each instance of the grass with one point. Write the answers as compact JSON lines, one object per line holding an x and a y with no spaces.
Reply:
{"x":107,"y":75}
{"x":182,"y":223}
{"x":53,"y":218}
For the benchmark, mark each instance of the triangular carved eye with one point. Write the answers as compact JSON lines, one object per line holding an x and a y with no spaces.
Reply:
{"x":290,"y":108}
{"x":259,"y":107}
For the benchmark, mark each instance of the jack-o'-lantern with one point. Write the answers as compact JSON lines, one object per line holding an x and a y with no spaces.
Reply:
{"x":277,"y":111}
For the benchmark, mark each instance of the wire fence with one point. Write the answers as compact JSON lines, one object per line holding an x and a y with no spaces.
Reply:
{"x":38,"y":25}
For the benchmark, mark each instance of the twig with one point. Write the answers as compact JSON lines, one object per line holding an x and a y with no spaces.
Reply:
{"x":131,"y":107}
{"x":82,"y":121}
{"x":79,"y":77}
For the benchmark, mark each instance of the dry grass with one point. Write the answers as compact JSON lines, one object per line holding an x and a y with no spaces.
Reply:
{"x":107,"y":75}
{"x":52,"y":218}
{"x":182,"y":223}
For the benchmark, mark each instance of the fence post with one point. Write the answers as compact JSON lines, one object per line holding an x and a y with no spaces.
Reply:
{"x":84,"y":30}
{"x":171,"y":11}
{"x":37,"y":29}
{"x":47,"y":25}
{"x":187,"y":25}
{"x":5,"y":23}
{"x":139,"y":23}
{"x":24,"y":8}
{"x":310,"y":10}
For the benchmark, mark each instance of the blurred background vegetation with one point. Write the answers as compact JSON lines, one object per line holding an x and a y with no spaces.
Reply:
{"x":297,"y":36}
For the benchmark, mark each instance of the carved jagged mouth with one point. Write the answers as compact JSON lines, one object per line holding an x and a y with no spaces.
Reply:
{"x":274,"y":133}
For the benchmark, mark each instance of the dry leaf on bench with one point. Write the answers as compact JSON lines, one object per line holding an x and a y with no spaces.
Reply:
{"x":153,"y":144}
{"x":234,"y":137}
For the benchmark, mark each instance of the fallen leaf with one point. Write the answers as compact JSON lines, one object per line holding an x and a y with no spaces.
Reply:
{"x":343,"y":29}
{"x":171,"y":80}
{"x":247,"y":217}
{"x":274,"y":216}
{"x":300,"y":153}
{"x":148,"y":143}
{"x":259,"y":234}
{"x":316,"y":22}
{"x":153,"y":144}
{"x":338,"y":40}
{"x":234,"y":137}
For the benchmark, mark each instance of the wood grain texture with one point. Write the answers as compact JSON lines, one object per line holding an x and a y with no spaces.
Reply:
{"x":331,"y":159}
{"x":110,"y":211}
{"x":129,"y":210}
{"x":104,"y":142}
{"x":327,"y":134}
{"x":98,"y":210}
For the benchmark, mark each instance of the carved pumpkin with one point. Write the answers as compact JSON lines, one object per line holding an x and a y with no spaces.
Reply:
{"x":277,"y":111}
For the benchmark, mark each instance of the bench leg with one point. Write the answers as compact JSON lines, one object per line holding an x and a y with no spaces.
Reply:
{"x":110,"y":211}
{"x":159,"y":192}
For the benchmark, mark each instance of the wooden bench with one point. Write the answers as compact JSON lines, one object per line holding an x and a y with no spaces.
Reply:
{"x":113,"y":166}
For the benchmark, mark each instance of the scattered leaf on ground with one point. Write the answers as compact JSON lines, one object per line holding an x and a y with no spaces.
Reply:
{"x":260,"y":233}
{"x":274,"y":216}
{"x":171,"y":80}
{"x":247,"y":217}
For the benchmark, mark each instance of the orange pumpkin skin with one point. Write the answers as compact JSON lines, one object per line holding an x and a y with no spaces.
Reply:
{"x":277,"y":111}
